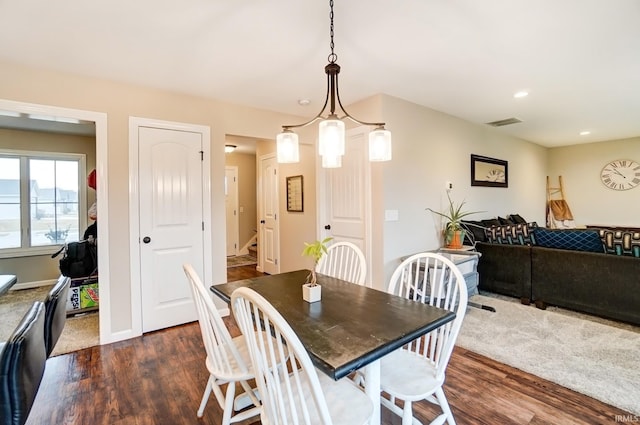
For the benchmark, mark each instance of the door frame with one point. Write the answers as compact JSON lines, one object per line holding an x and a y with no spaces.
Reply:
{"x":134,"y":211}
{"x":102,"y":192}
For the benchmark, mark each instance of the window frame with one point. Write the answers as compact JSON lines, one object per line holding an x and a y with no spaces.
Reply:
{"x":25,"y":250}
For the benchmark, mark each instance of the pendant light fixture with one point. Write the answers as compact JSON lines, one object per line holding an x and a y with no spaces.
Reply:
{"x":331,"y":135}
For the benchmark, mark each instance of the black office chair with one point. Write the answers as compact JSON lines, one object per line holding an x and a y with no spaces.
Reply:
{"x":56,"y":312}
{"x":22,"y":362}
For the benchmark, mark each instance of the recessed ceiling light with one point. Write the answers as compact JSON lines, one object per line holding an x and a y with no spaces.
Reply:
{"x":520,"y":94}
{"x":585,"y":133}
{"x":304,"y":102}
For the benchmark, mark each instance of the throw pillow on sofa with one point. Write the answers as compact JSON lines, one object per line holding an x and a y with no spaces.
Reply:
{"x":512,"y":234}
{"x":621,"y":242}
{"x":476,"y":228}
{"x":490,"y":222}
{"x":517,"y":219}
{"x":571,"y":239}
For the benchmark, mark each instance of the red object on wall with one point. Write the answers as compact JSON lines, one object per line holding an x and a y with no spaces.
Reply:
{"x":92,"y":179}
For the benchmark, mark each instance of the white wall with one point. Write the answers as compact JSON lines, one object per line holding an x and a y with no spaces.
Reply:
{"x":591,"y":202}
{"x":431,"y":148}
{"x":120,"y":101}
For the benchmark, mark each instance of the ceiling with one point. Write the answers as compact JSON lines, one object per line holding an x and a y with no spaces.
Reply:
{"x":578,"y":59}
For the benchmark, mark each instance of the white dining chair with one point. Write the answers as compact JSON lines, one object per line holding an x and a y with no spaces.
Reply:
{"x":228,"y":360}
{"x":295,"y":394}
{"x":344,"y":260}
{"x":417,"y":370}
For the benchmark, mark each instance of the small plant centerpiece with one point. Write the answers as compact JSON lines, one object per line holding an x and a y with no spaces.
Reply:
{"x":311,"y":291}
{"x":454,"y":230}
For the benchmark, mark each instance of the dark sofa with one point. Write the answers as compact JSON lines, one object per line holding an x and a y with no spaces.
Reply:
{"x":598,"y":283}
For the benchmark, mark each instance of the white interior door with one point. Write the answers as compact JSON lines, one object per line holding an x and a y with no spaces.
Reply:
{"x":231,"y":204}
{"x":346,"y":195}
{"x":171,"y":223}
{"x":269,"y":243}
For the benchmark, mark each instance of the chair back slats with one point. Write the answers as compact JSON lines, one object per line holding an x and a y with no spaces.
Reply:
{"x":222,"y":354}
{"x":435,"y":280}
{"x":344,"y":260}
{"x":289,"y":389}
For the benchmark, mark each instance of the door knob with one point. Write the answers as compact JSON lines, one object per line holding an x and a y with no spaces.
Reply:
{"x":327,"y":227}
{"x":262,"y":222}
{"x":146,"y":239}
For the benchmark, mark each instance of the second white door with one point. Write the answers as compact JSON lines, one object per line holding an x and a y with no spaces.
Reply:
{"x":269,"y":242}
{"x":231,"y":204}
{"x":345,"y":212}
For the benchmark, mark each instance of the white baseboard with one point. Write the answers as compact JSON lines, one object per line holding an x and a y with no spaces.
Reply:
{"x":30,"y":285}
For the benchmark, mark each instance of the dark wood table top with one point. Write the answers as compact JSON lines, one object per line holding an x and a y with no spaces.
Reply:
{"x":351,"y":326}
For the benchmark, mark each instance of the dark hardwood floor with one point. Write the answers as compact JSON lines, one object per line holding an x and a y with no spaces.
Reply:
{"x":159,"y":378}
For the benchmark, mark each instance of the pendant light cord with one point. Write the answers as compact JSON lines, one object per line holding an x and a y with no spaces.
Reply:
{"x":332,"y":56}
{"x":332,"y":70}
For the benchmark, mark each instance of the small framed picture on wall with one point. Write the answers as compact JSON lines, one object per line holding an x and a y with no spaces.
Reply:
{"x":295,"y":199}
{"x":490,"y":172}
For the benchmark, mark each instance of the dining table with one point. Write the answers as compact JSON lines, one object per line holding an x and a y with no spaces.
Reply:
{"x":351,"y":328}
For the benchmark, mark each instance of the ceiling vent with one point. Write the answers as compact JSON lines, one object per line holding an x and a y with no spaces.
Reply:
{"x":504,"y":122}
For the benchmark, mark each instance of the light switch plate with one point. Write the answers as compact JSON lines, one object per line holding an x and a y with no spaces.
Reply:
{"x":390,"y":215}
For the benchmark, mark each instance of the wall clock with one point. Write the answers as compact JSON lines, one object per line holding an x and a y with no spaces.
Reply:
{"x":621,"y":174}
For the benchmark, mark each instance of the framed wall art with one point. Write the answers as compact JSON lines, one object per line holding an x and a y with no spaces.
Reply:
{"x":295,"y":199}
{"x":490,"y":172}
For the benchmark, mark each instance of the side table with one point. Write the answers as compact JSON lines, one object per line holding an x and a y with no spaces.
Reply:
{"x":467,"y":262}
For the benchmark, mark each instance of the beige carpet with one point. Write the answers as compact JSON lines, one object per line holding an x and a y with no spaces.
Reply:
{"x":592,"y":356}
{"x":79,"y":332}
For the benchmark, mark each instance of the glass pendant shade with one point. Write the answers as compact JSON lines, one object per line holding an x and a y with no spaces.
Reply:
{"x":331,"y":137}
{"x":331,"y":161}
{"x":331,"y":128}
{"x":380,"y":145}
{"x":287,"y":147}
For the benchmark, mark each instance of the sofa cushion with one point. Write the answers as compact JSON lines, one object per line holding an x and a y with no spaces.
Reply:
{"x":476,"y":228}
{"x":512,"y":234}
{"x":490,"y":222}
{"x":571,"y":239}
{"x":505,"y":220}
{"x":517,"y":219}
{"x":621,"y":242}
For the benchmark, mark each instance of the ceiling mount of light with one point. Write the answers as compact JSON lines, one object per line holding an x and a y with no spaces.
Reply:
{"x":229,"y":148}
{"x":331,"y":135}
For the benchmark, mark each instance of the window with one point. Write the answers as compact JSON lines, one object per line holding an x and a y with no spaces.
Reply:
{"x":42,"y":201}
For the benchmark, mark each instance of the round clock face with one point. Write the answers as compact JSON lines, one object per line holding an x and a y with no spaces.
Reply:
{"x":495,"y":175}
{"x":621,"y":174}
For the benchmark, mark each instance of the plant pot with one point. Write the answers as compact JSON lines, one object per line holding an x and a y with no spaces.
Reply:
{"x":311,"y":294}
{"x":456,"y":239}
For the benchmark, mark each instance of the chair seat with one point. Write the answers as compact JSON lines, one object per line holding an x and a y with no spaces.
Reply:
{"x":348,"y":404}
{"x":398,"y":371}
{"x":236,"y":370}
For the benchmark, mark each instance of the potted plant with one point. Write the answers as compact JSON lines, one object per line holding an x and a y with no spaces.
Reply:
{"x":311,"y":291}
{"x":454,"y":230}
